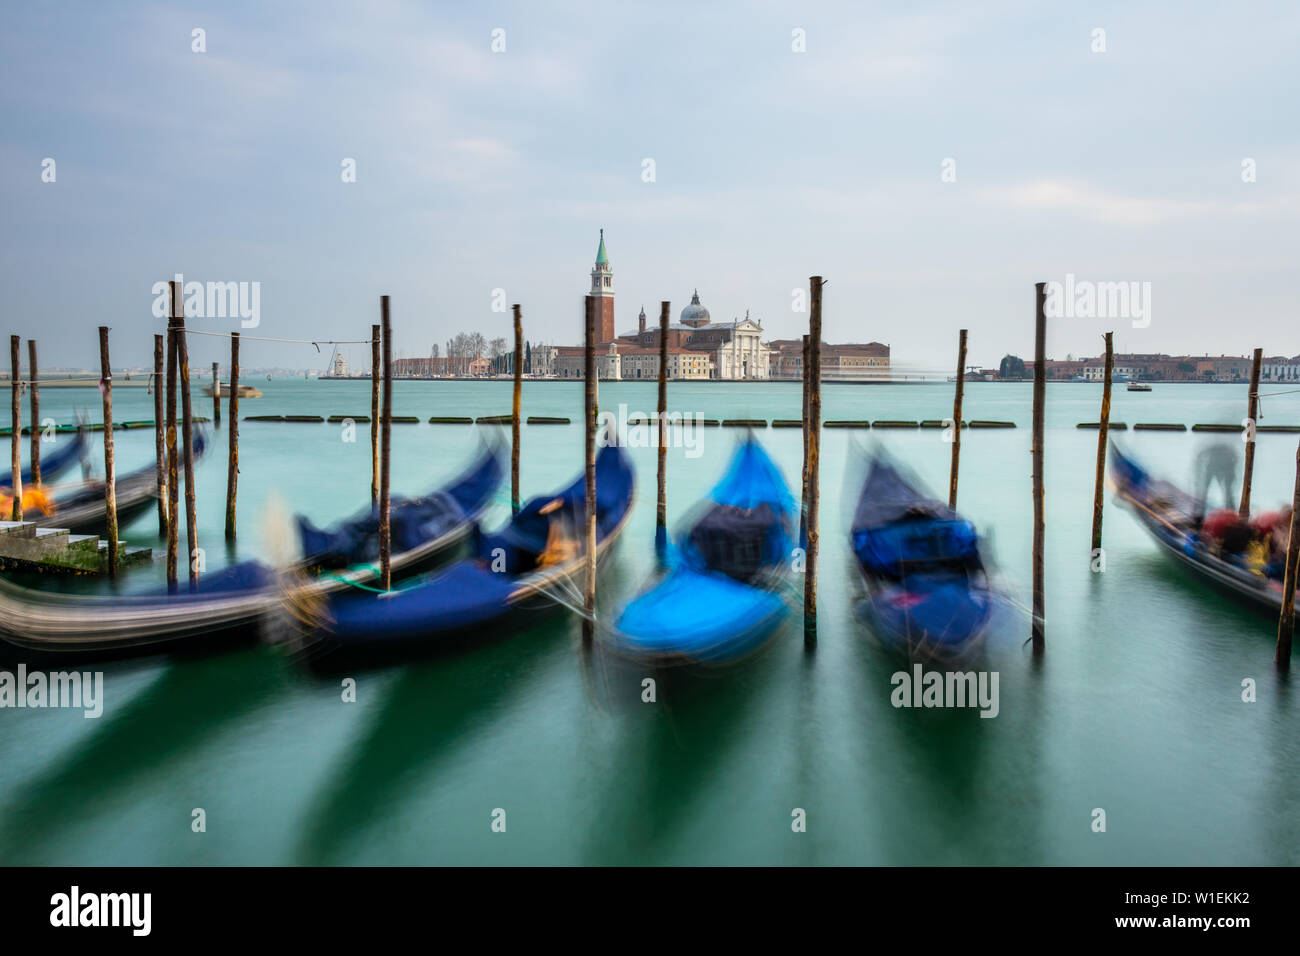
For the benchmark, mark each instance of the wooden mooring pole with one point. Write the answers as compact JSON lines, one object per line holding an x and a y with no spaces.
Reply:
{"x":36,"y":413}
{"x":813,"y":459}
{"x":159,"y":428}
{"x":1040,"y":397}
{"x":374,"y":415}
{"x":232,"y":466}
{"x":803,"y":481}
{"x":216,"y":396}
{"x":956,"y":419}
{"x":589,"y":423}
{"x":173,"y":479}
{"x":386,"y":439}
{"x":187,"y":433}
{"x":514,"y":422}
{"x":110,"y":466}
{"x":1291,"y":577}
{"x":1252,"y":413}
{"x":1103,"y":428}
{"x":661,"y":501}
{"x":16,"y":430}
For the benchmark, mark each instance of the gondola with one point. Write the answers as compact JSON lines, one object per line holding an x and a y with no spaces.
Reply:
{"x":721,"y":596}
{"x":53,"y":464}
{"x":82,"y":510}
{"x":1166,"y":512}
{"x":231,"y":602}
{"x":535,"y":562}
{"x":927,"y":590}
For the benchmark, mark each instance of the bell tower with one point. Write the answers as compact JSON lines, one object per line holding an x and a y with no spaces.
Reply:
{"x":602,"y":290}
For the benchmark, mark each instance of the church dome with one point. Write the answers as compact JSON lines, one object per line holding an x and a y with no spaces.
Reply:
{"x":695,"y":314}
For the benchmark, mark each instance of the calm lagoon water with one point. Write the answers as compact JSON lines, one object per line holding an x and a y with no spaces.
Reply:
{"x":1136,"y":707}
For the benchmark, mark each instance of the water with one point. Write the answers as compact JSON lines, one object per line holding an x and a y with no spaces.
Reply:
{"x":1136,"y":707}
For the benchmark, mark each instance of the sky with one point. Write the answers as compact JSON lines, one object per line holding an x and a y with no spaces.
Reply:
{"x":931,"y":161}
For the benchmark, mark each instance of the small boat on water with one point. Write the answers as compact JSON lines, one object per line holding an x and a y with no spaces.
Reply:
{"x":927,"y":589}
{"x":230,"y":603}
{"x":54,"y":464}
{"x":721,"y":597}
{"x":245,"y":391}
{"x":1138,"y":387}
{"x":1168,"y":515}
{"x":534,"y":562}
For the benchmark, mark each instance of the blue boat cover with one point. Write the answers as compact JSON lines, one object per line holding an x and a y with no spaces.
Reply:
{"x":524,"y":538}
{"x":707,"y":608}
{"x":472,"y":593}
{"x":242,"y":578}
{"x":929,"y":590}
{"x":413,"y":521}
{"x":942,"y":609}
{"x":466,"y":594}
{"x":896,"y":526}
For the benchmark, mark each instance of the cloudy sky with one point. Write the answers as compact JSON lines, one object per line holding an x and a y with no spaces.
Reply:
{"x":479,"y":170}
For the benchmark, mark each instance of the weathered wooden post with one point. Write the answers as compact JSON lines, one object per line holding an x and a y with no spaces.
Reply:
{"x":1286,"y":622}
{"x":1103,"y":429}
{"x":36,"y":414}
{"x":589,"y":423}
{"x":956,"y":420}
{"x":1252,"y":413}
{"x":386,"y":439}
{"x":216,"y":396}
{"x":16,"y":430}
{"x":110,"y":467}
{"x":661,"y":502}
{"x":374,"y":415}
{"x":803,"y":486}
{"x":514,"y":423}
{"x":173,"y":479}
{"x":1040,"y":398}
{"x":187,"y":433}
{"x":159,"y":441}
{"x":814,"y":420}
{"x":232,"y":466}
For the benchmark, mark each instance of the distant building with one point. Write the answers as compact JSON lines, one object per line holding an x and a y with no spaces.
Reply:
{"x":1279,"y":368}
{"x":543,"y":365}
{"x":850,"y":361}
{"x":1159,"y":367}
{"x":450,"y":366}
{"x":732,"y":350}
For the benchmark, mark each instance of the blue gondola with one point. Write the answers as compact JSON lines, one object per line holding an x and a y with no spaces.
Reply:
{"x":535,"y":561}
{"x":721,"y":597}
{"x":927,"y":590}
{"x":230,"y":602}
{"x":1167,"y":513}
{"x":81,"y":508}
{"x":418,"y":525}
{"x":53,"y":464}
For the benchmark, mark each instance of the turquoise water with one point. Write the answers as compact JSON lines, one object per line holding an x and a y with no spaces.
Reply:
{"x":1136,"y":707}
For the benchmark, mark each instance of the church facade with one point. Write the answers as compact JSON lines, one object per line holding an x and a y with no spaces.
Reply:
{"x":698,"y":347}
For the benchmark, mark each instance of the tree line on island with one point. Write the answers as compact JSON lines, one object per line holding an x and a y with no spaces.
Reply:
{"x":472,"y":345}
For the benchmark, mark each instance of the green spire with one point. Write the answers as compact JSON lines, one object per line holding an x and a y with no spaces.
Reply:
{"x":601,"y":258}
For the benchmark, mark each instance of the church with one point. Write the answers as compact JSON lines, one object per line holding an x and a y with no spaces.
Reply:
{"x":698,"y":347}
